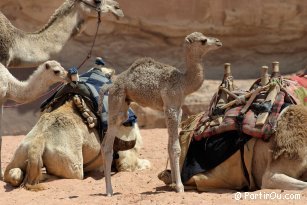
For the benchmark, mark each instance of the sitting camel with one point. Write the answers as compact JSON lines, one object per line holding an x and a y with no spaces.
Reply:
{"x":66,"y":146}
{"x":158,"y":86}
{"x":279,"y":163}
{"x":38,"y":83}
{"x":19,"y":47}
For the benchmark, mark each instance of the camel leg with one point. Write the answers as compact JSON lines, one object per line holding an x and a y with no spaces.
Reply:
{"x":107,"y":150}
{"x":280,"y":174}
{"x":117,"y":115}
{"x":34,"y":164}
{"x":1,"y":113}
{"x":172,"y":116}
{"x":281,"y":181}
{"x":14,"y":172}
{"x":67,"y":163}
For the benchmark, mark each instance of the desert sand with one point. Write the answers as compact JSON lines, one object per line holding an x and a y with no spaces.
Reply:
{"x":140,"y":187}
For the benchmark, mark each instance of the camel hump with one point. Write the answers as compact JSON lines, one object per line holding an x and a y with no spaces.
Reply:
{"x":143,"y":61}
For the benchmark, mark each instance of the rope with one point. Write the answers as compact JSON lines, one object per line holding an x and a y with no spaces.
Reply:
{"x":47,"y":93}
{"x":90,"y":52}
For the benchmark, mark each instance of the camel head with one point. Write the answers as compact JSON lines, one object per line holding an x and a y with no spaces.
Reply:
{"x":53,"y":72}
{"x":105,"y":6}
{"x":200,"y":43}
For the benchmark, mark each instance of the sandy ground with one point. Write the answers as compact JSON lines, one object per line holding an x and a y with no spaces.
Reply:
{"x":141,"y":187}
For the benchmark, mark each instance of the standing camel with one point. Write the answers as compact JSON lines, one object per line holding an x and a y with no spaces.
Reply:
{"x":19,"y":47}
{"x":38,"y":83}
{"x":161,"y":87}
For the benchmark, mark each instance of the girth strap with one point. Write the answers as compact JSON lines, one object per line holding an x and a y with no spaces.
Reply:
{"x":245,"y":171}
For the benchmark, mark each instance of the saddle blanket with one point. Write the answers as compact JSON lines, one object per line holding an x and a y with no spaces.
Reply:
{"x":95,"y":79}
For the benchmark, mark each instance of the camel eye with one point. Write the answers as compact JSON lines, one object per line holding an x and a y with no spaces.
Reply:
{"x":204,"y":41}
{"x":56,"y":72}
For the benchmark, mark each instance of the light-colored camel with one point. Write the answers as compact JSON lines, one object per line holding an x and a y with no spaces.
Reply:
{"x":62,"y":143}
{"x":19,"y":47}
{"x":280,"y":163}
{"x":162,"y":87}
{"x":38,"y":83}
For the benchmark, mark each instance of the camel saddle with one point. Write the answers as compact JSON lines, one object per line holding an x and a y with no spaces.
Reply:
{"x":87,"y":88}
{"x":244,"y":118}
{"x":211,"y":137}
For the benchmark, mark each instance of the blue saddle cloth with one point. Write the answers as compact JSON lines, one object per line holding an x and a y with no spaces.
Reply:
{"x":95,"y":79}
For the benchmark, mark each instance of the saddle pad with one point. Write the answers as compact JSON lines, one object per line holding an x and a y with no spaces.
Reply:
{"x":207,"y":153}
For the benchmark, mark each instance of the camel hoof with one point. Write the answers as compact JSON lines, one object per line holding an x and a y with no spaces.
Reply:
{"x":179,"y":188}
{"x":109,"y":194}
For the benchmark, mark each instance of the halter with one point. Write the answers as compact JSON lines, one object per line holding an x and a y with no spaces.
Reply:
{"x":95,"y":6}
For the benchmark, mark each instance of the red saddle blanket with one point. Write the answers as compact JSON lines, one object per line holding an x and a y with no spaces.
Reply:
{"x":247,"y":125}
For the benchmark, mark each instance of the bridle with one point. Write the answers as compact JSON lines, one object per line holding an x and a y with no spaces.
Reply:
{"x":95,"y":6}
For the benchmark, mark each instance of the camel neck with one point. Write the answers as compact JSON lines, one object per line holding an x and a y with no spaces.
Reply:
{"x":29,"y":90}
{"x":194,"y":73}
{"x":42,"y":45}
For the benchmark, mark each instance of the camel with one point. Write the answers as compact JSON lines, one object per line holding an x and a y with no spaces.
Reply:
{"x":19,"y":47}
{"x":38,"y":83}
{"x":62,"y":143}
{"x":67,"y":147}
{"x":279,"y":163}
{"x":161,"y":87}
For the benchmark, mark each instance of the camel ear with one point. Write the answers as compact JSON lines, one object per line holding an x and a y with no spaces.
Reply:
{"x":188,"y":40}
{"x":47,"y":66}
{"x":204,"y":41}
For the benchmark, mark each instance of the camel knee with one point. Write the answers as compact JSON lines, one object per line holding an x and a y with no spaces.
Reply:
{"x":267,"y":181}
{"x":33,"y":171}
{"x":174,"y":149}
{"x":14,"y":176}
{"x":76,"y":171}
{"x":282,"y":181}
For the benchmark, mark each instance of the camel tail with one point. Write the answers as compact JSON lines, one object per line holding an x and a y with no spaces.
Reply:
{"x":34,"y":166}
{"x":105,"y":88}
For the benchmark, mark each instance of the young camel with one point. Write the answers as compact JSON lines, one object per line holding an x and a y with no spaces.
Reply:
{"x":161,"y":87}
{"x":38,"y":83}
{"x":19,"y":47}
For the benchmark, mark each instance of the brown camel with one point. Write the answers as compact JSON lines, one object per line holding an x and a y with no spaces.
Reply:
{"x":278,"y":164}
{"x":67,"y":147}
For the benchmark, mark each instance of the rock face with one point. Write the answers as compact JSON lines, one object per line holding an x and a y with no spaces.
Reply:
{"x":253,"y":34}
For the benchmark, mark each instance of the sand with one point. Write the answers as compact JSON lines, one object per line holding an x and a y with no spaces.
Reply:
{"x":140,"y":187}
